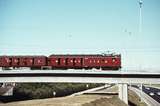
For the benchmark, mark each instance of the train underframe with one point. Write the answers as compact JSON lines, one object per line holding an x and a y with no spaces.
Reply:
{"x":60,"y":68}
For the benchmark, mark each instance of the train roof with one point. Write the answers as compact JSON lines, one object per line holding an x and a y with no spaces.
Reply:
{"x":84,"y":55}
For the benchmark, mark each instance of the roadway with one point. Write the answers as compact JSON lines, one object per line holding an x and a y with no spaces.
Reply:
{"x":147,"y":99}
{"x":150,"y":91}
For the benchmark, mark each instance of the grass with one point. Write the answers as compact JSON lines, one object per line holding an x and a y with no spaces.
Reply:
{"x":154,"y":85}
{"x":83,"y":100}
{"x":134,"y":99}
{"x":114,"y":101}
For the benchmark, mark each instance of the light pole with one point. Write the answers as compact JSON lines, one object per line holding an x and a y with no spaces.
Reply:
{"x":140,"y":32}
{"x":140,"y":16}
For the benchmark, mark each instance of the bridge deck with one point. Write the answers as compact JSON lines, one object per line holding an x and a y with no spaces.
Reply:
{"x":79,"y":76}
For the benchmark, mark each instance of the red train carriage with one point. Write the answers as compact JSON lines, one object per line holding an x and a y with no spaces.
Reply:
{"x":65,"y":61}
{"x":105,"y":62}
{"x":23,"y":61}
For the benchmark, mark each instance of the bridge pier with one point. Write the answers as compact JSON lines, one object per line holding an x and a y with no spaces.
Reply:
{"x":7,"y":89}
{"x":9,"y":92}
{"x":123,"y":92}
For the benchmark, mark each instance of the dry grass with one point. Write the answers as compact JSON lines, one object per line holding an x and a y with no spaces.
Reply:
{"x":61,"y":101}
{"x":154,"y":85}
{"x":134,"y":99}
{"x":114,"y":101}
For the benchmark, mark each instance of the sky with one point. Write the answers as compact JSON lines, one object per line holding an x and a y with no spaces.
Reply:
{"x":45,"y":27}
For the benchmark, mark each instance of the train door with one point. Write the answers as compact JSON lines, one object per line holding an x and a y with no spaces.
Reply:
{"x":15,"y":61}
{"x":78,"y":62}
{"x":70,"y":62}
{"x":63,"y":62}
{"x":53,"y":61}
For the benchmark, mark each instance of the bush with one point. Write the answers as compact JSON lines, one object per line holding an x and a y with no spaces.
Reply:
{"x":45,"y":90}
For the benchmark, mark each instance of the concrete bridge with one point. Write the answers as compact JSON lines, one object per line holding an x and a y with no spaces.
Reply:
{"x":123,"y":78}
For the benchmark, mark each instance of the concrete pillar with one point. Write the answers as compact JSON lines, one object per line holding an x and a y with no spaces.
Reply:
{"x":4,"y":85}
{"x":9,"y":92}
{"x":141,"y":88}
{"x":8,"y":88}
{"x":123,"y":92}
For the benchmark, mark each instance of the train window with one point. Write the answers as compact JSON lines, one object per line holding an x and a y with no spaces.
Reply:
{"x":31,"y":61}
{"x":105,"y":61}
{"x":64,"y":61}
{"x":56,"y":61}
{"x":90,"y":61}
{"x":7,"y":60}
{"x":97,"y":61}
{"x":39,"y":61}
{"x":113,"y":60}
{"x":16,"y":61}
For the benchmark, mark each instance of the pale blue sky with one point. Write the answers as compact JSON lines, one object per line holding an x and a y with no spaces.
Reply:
{"x":44,"y":27}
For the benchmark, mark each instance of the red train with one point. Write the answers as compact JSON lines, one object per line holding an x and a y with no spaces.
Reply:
{"x":104,"y":62}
